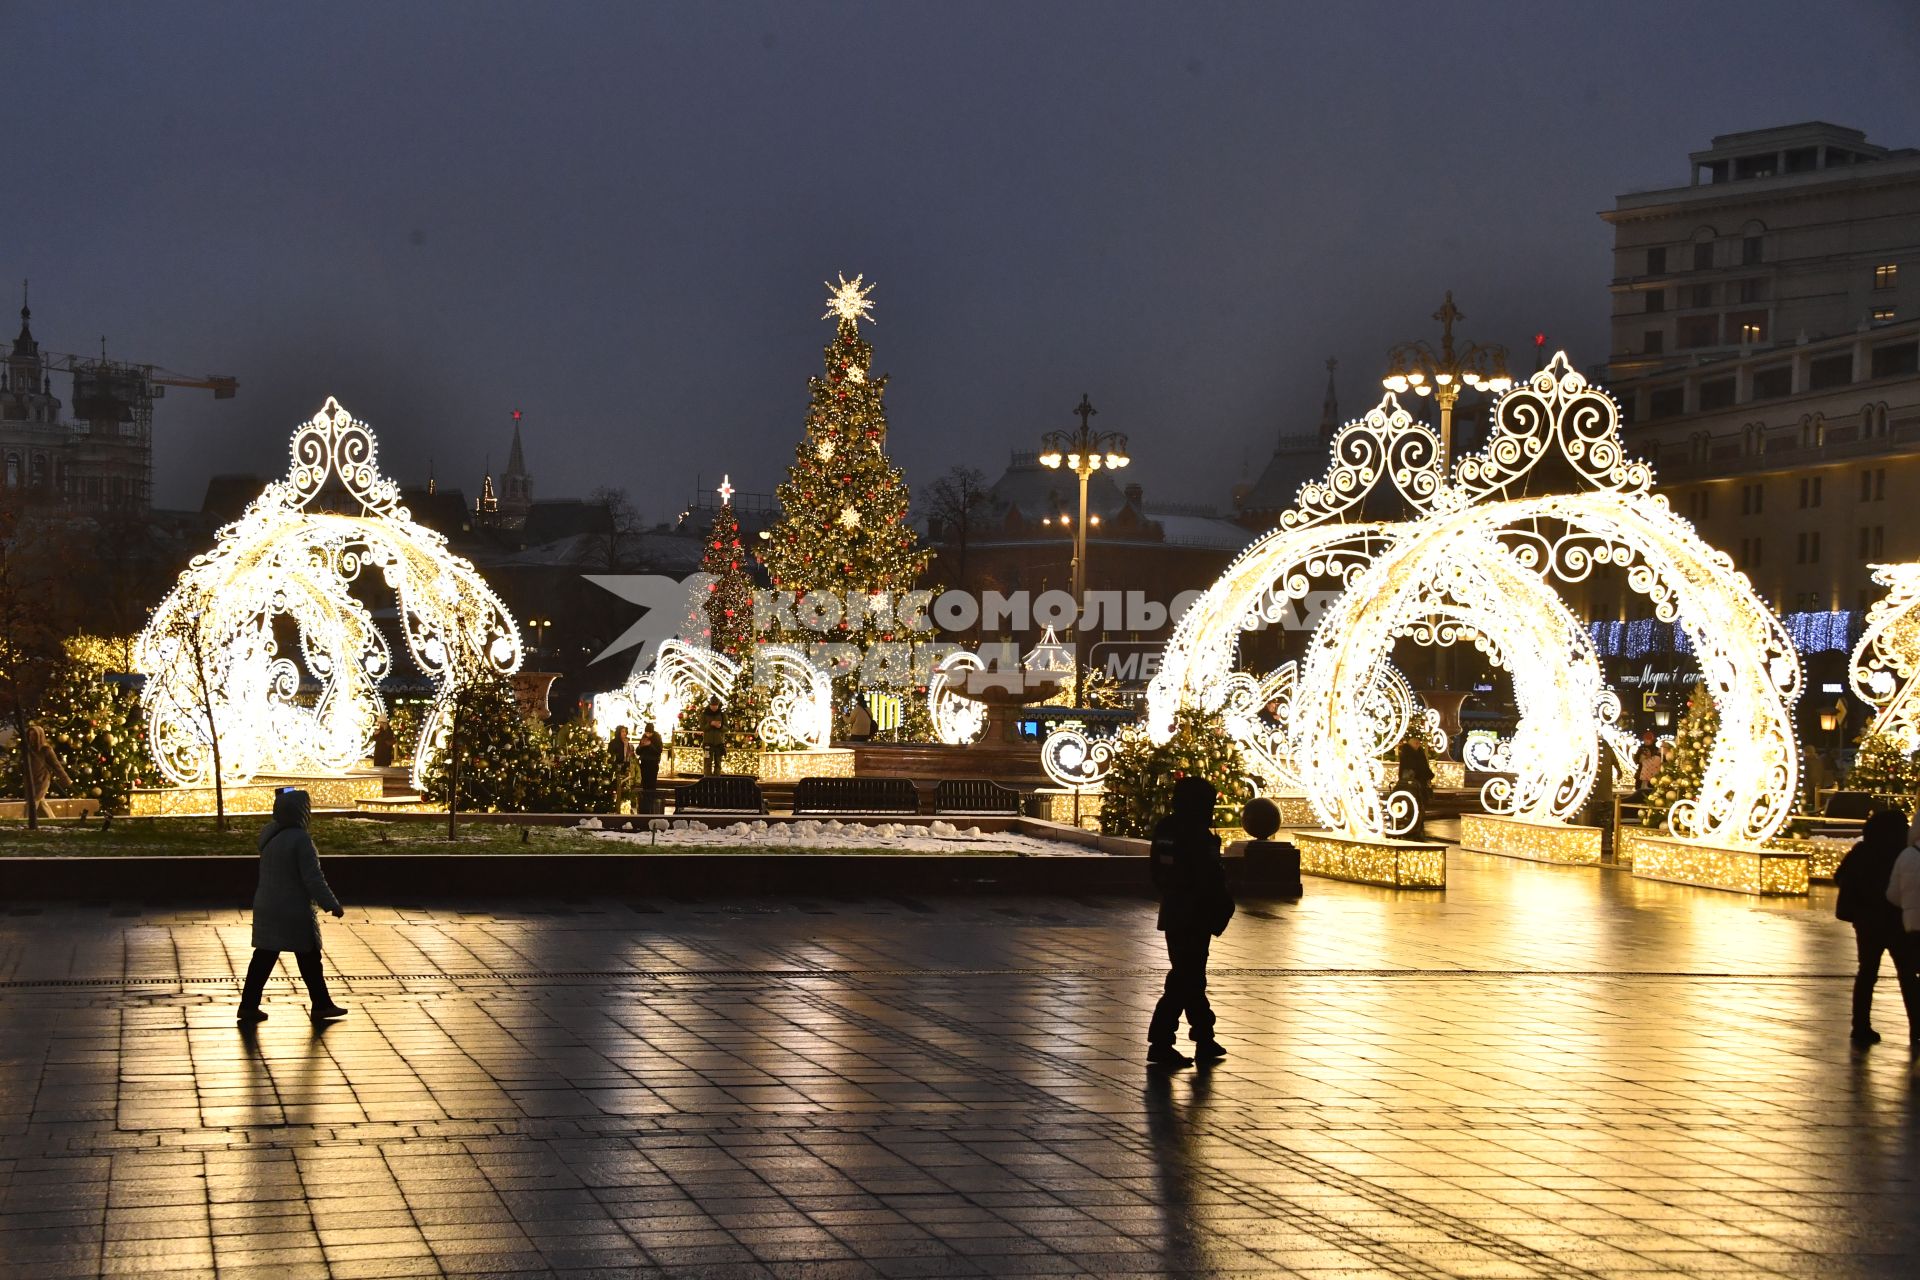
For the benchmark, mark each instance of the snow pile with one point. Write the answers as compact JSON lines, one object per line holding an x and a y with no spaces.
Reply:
{"x":813,"y":833}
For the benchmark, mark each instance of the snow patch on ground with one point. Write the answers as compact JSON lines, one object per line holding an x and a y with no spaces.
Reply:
{"x":809,"y":833}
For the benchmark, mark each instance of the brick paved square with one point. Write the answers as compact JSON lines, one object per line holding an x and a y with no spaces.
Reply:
{"x":1546,"y":1071}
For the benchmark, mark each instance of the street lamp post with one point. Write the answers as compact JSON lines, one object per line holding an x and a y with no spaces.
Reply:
{"x":1085,"y":451}
{"x":1441,"y":374}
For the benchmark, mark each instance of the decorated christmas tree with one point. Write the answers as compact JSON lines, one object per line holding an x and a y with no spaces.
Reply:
{"x":1141,"y":777}
{"x":501,"y":753}
{"x":577,"y":773}
{"x":724,"y":619}
{"x":1685,"y":763}
{"x":843,"y":528}
{"x":1882,"y":767}
{"x":94,"y":723}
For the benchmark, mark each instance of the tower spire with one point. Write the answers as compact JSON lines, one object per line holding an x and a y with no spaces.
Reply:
{"x":1330,"y":405}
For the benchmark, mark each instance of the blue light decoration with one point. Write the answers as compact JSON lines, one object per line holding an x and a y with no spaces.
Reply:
{"x":1826,"y":631}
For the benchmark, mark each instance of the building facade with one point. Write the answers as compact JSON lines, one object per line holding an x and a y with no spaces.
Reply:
{"x":96,"y":457}
{"x":1766,"y":353}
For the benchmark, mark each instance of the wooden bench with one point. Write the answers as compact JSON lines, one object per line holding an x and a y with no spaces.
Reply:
{"x":975,"y":796}
{"x":720,"y":793}
{"x":856,"y":795}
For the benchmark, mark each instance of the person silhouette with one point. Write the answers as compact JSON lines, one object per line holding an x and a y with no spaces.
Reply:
{"x":1862,"y":878}
{"x":291,"y":882}
{"x":1195,"y":906}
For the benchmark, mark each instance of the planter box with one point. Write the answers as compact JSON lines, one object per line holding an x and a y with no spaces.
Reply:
{"x":1398,"y":864}
{"x":768,"y":766}
{"x":1735,"y":868}
{"x":255,"y":797}
{"x":1535,"y":841}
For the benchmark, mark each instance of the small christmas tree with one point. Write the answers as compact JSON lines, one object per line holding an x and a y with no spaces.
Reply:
{"x":94,"y":724}
{"x":1141,"y":777}
{"x":1881,"y":766}
{"x":1685,"y":764}
{"x":843,"y":528}
{"x":577,"y":773}
{"x":501,"y":752}
{"x":724,"y":619}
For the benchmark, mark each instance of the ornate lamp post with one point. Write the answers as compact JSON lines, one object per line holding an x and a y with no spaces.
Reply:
{"x":1441,"y":374}
{"x":1482,"y":366}
{"x":1085,"y":451}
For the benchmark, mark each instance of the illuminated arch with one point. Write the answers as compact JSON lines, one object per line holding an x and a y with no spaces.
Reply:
{"x":1316,"y":542}
{"x":799,"y":714}
{"x":1484,"y":520}
{"x":1479,"y":556}
{"x":282,"y":558}
{"x":1885,"y":671}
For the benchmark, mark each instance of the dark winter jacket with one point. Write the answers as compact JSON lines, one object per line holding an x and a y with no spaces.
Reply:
{"x":714,"y":729}
{"x":649,"y":748}
{"x":1194,"y":897}
{"x":290,"y":879}
{"x":1863,"y":874}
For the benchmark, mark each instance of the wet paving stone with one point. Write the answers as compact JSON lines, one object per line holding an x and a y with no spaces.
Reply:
{"x":1544,"y":1071}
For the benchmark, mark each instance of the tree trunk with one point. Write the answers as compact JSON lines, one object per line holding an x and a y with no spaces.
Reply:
{"x":26,"y":773}
{"x":453,"y":766}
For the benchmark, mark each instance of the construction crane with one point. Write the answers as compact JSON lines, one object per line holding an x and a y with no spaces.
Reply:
{"x":115,"y":397}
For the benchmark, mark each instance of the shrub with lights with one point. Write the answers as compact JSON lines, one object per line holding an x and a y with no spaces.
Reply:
{"x":1141,"y":774}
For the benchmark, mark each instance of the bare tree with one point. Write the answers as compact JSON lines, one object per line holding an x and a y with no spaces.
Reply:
{"x":953,"y":506}
{"x":30,"y":651}
{"x":189,"y":627}
{"x":611,"y":548}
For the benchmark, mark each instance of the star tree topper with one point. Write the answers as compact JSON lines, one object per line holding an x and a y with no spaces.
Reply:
{"x":725,"y":490}
{"x":848,"y":300}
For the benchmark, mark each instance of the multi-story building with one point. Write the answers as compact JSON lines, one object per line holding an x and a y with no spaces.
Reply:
{"x":98,"y":459}
{"x":1766,"y":353}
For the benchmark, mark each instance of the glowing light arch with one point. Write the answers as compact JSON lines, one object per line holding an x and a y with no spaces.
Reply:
{"x":1315,"y":542}
{"x":1885,"y":670}
{"x":1445,"y":591}
{"x":1746,"y":658}
{"x":799,"y":712}
{"x":283,"y":558}
{"x":1483,"y":523}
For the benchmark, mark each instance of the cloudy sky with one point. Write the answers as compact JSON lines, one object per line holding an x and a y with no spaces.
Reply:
{"x":617,"y":217}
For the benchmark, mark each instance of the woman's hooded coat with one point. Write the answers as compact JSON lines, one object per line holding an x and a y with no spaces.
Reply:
{"x":290,"y":879}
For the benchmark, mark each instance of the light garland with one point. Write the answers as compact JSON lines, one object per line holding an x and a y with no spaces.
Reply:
{"x":799,"y":700}
{"x":212,"y":639}
{"x":1074,"y":761}
{"x":799,"y":715}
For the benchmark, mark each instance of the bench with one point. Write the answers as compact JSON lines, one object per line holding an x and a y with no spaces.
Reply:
{"x":1850,"y":808}
{"x":856,"y":795}
{"x":720,"y":793}
{"x":975,"y":796}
